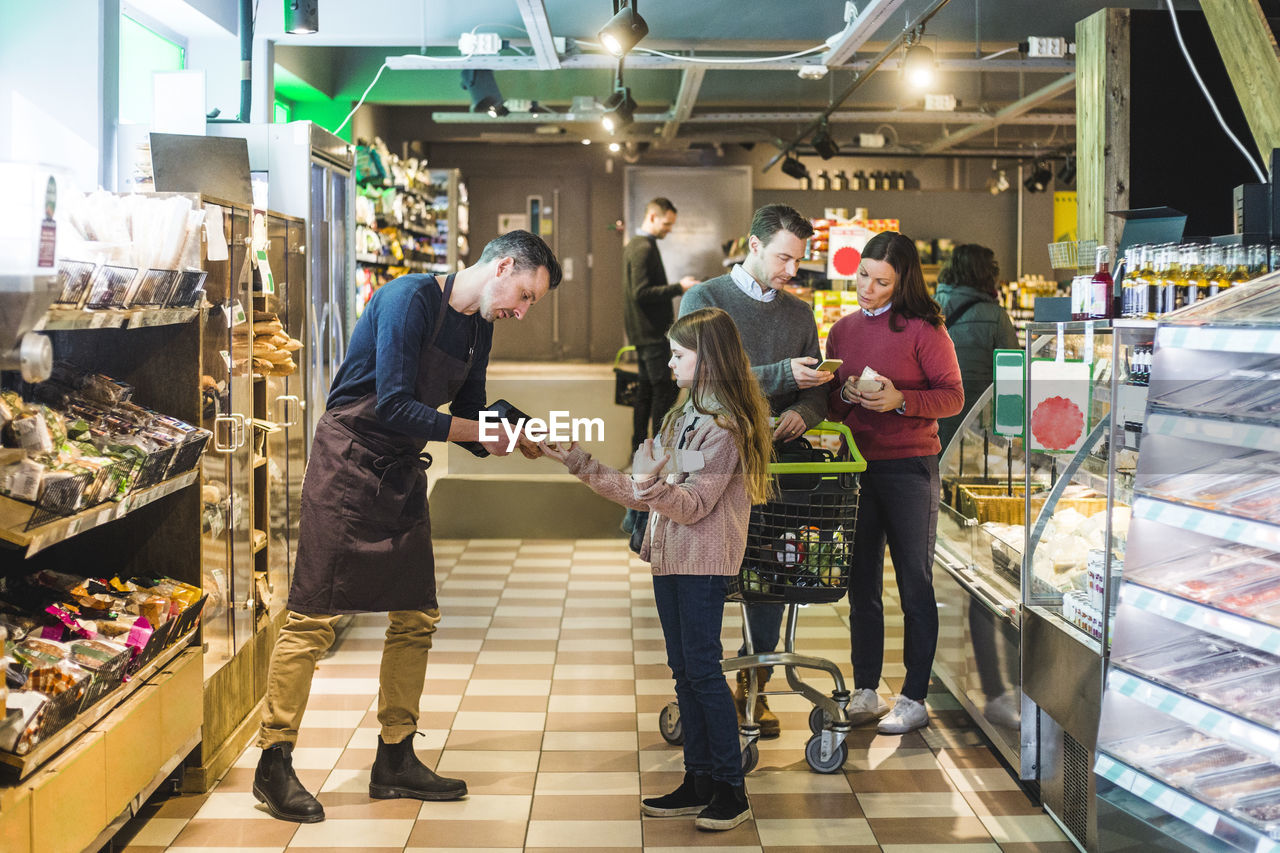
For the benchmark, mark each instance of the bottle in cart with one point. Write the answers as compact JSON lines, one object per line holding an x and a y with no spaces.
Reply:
{"x":1101,"y":288}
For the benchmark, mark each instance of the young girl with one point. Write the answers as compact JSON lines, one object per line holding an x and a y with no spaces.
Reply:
{"x":696,"y":537}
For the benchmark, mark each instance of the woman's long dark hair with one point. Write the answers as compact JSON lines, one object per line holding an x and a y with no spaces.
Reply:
{"x":972,"y":266}
{"x":910,"y":298}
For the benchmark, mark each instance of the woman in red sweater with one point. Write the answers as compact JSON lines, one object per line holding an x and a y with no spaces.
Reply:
{"x":898,"y":377}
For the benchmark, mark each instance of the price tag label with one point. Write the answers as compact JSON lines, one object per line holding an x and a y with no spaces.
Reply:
{"x":264,"y":270}
{"x":226,"y":357}
{"x":235,"y":314}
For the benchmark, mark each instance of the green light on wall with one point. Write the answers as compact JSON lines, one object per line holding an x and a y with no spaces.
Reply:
{"x":142,"y":53}
{"x":280,"y":113}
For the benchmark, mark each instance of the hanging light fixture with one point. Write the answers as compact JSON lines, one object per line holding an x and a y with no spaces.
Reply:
{"x":1039,"y":178}
{"x":485,"y":97}
{"x":823,"y":143}
{"x":301,"y":16}
{"x":793,"y":168}
{"x":624,"y":30}
{"x":919,"y":65}
{"x":1067,"y":174}
{"x":619,"y":110}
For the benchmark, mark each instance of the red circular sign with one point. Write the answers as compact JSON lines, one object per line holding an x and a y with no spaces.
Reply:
{"x":1057,"y":423}
{"x":846,"y":261}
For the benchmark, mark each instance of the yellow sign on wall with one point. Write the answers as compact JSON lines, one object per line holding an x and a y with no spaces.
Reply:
{"x":1064,"y":217}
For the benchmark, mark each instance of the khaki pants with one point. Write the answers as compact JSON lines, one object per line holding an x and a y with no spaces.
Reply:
{"x":305,"y":637}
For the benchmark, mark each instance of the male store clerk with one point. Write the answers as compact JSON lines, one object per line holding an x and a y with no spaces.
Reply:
{"x":365,"y":539}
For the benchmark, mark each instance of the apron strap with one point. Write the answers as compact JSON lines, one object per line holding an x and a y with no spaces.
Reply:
{"x":444,"y":308}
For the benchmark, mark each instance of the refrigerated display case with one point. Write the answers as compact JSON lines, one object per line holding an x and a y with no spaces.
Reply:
{"x":1194,"y":675}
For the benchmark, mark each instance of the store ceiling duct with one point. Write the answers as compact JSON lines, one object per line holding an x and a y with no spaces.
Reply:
{"x":625,"y":29}
{"x":792,"y":167}
{"x":485,"y":97}
{"x":1038,"y":180}
{"x":824,"y":144}
{"x":301,"y":16}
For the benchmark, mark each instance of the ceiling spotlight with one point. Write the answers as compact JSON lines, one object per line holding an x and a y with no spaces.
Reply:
{"x":1067,"y":174}
{"x":615,"y":147}
{"x":485,"y":96}
{"x":586,"y":142}
{"x":918,"y":66}
{"x":624,"y":30}
{"x":1039,"y":178}
{"x":823,"y":143}
{"x":301,"y":16}
{"x":620,"y":110}
{"x":793,"y":168}
{"x":998,"y":182}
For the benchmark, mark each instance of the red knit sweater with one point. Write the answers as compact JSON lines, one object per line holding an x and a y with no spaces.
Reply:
{"x":920,"y":360}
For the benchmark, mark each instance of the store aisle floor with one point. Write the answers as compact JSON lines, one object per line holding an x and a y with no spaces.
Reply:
{"x":543,"y":692}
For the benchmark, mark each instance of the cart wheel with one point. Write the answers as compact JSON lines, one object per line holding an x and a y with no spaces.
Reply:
{"x":813,"y":755}
{"x":819,"y":720}
{"x":669,"y":724}
{"x":750,"y":757}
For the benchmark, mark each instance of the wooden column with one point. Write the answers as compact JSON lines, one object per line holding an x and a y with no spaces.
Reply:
{"x":1248,"y":49}
{"x":1102,"y":124}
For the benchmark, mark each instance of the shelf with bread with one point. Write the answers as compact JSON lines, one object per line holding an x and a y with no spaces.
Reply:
{"x":101,"y":588}
{"x":1190,"y":700}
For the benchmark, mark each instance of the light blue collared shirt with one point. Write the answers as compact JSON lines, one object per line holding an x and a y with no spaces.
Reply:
{"x":877,"y":312}
{"x":750,"y":286}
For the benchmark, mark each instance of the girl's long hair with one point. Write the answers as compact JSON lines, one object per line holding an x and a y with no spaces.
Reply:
{"x":910,"y":296}
{"x":725,"y":388}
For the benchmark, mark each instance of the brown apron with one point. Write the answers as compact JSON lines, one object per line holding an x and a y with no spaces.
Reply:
{"x":364,"y":543}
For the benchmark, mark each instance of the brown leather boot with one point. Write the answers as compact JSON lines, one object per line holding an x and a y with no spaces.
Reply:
{"x":766,"y":719}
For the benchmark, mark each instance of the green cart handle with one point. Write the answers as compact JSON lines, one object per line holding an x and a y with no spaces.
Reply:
{"x":617,"y":359}
{"x":856,"y":464}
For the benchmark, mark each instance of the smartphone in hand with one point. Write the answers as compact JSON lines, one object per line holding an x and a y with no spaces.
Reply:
{"x":830,"y":365}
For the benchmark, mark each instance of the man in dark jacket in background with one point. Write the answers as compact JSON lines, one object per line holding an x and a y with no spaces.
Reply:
{"x":649,"y":315}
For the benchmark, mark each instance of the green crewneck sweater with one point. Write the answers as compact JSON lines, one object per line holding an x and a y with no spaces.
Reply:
{"x":772,"y":333}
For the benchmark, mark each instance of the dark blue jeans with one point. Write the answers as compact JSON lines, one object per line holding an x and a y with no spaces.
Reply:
{"x":691,"y":609}
{"x":897,"y":505}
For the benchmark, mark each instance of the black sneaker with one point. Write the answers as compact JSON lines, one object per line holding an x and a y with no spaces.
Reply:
{"x":728,"y":808}
{"x":693,"y":795}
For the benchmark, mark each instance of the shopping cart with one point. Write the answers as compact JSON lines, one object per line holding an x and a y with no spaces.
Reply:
{"x":799,"y":547}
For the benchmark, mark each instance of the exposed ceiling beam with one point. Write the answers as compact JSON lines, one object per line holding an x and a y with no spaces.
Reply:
{"x":842,"y":117}
{"x":690,"y":83}
{"x":898,"y":116}
{"x":417,"y":62}
{"x":1017,"y":108}
{"x":534,"y":14}
{"x":859,"y":31}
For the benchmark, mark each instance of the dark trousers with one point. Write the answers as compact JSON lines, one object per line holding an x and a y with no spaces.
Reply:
{"x":691,"y":609}
{"x":897,"y":505}
{"x":657,"y":392}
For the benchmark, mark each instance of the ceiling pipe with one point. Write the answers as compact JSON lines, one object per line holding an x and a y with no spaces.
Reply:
{"x":861,"y":77}
{"x":246,"y":58}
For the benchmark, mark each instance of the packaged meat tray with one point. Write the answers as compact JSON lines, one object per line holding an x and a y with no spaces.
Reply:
{"x":1214,"y":487}
{"x":1182,"y":770}
{"x":1256,"y":597}
{"x":1262,"y":504}
{"x":1145,"y":750}
{"x":1237,"y":694}
{"x":1166,"y":573}
{"x":1192,"y":678}
{"x":1263,"y":811}
{"x":1215,"y":586}
{"x":1157,"y":659}
{"x":1224,"y":789}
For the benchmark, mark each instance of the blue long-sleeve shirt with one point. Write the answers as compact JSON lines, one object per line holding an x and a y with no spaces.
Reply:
{"x":386,"y":344}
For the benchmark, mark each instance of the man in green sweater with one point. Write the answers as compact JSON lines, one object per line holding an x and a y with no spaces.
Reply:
{"x":648,"y":314}
{"x":780,"y":336}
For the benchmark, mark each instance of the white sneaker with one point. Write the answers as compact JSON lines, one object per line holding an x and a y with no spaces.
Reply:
{"x":1004,"y":711}
{"x":865,"y":706}
{"x":907,"y":716}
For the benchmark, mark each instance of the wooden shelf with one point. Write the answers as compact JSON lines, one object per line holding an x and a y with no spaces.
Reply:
{"x":57,"y":319}
{"x":14,"y":515}
{"x":26,"y":764}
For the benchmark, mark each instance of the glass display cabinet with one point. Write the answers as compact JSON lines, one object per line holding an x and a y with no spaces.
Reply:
{"x":1188,"y":743}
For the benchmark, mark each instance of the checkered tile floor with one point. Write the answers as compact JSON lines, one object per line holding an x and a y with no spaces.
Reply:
{"x":543,"y":692}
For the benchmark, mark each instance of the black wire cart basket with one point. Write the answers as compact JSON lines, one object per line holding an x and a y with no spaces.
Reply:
{"x":799,"y":547}
{"x":626,"y":382}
